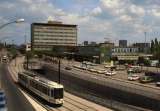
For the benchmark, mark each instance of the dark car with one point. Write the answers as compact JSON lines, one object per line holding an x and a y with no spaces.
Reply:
{"x":3,"y":101}
{"x":68,"y":68}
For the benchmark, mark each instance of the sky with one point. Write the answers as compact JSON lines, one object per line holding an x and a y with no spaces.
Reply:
{"x":97,"y":20}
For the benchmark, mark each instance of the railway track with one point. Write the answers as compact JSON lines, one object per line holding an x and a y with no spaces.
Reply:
{"x":69,"y":103}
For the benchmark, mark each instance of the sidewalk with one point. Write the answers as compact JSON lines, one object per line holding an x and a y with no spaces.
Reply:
{"x":15,"y":67}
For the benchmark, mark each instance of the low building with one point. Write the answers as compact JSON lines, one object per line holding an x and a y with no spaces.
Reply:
{"x":129,"y":55}
{"x":125,"y":54}
{"x":99,"y":53}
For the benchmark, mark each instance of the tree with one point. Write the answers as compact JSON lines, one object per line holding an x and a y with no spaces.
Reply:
{"x":152,"y":46}
{"x":155,"y":48}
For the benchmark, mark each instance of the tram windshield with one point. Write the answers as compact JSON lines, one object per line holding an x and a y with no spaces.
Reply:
{"x":58,"y":93}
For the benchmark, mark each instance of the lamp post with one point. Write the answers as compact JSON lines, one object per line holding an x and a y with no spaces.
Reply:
{"x":4,"y":25}
{"x":11,"y":22}
{"x":16,"y":21}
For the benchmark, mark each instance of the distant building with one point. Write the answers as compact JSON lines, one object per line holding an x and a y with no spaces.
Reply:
{"x":122,"y":43}
{"x":93,"y":43}
{"x":128,"y":54}
{"x":44,"y":36}
{"x":125,"y":50}
{"x":85,"y":43}
{"x":107,"y":44}
{"x":28,"y":47}
{"x":97,"y":53}
{"x":142,"y":47}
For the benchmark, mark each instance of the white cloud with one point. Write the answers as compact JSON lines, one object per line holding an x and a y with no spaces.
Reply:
{"x":111,"y":3}
{"x":120,"y":17}
{"x":126,"y":18}
{"x":137,"y":10}
{"x":96,"y":11}
{"x":155,"y":12}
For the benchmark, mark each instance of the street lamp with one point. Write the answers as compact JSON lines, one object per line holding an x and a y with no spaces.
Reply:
{"x":11,"y":22}
{"x":19,"y":20}
{"x":16,"y":21}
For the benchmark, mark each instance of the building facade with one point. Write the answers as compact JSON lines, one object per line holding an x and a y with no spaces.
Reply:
{"x":125,"y":54}
{"x":44,"y":36}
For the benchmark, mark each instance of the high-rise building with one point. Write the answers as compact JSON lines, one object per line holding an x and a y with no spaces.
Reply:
{"x":122,"y":43}
{"x":44,"y":36}
{"x":85,"y":43}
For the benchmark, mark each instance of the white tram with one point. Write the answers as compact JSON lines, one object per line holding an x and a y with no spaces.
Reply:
{"x":48,"y":90}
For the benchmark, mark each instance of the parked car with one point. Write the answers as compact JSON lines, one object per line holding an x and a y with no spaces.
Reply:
{"x":3,"y":101}
{"x":120,"y":68}
{"x":158,"y":84}
{"x":110,"y":73}
{"x":146,"y":79}
{"x":68,"y":68}
{"x":92,"y":70}
{"x":133,"y":77}
{"x":101,"y":71}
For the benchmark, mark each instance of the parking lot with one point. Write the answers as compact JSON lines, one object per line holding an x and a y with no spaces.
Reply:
{"x":120,"y":74}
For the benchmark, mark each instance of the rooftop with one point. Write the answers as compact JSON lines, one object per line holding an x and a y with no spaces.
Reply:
{"x":54,"y":23}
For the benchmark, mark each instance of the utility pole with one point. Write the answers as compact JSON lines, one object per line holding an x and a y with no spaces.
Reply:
{"x":145,"y":44}
{"x":25,"y":39}
{"x":59,"y":73}
{"x":145,"y":33}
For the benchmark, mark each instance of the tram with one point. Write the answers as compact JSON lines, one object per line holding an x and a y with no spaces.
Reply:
{"x":50,"y":91}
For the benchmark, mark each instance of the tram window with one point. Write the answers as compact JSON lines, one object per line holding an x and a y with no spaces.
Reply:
{"x":52,"y":92}
{"x":44,"y":90}
{"x":58,"y":93}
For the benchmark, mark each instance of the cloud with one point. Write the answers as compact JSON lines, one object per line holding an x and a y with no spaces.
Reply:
{"x":95,"y":18}
{"x":155,"y":12}
{"x":111,"y":3}
{"x":126,"y":18}
{"x":96,"y":11}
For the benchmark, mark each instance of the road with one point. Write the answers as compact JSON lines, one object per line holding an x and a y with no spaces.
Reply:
{"x":16,"y":101}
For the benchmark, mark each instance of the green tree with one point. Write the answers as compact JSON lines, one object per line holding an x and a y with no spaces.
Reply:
{"x":155,"y":48}
{"x":152,"y":46}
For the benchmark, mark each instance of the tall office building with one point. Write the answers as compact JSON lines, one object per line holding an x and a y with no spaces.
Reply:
{"x":44,"y":36}
{"x":122,"y":43}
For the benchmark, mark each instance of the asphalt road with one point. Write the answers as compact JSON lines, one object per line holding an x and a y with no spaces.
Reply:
{"x":16,"y":101}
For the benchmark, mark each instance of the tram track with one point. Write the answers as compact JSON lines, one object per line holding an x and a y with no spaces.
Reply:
{"x":79,"y":104}
{"x":69,"y":103}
